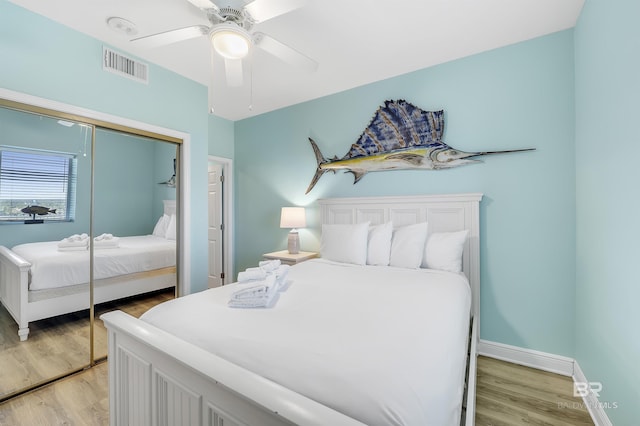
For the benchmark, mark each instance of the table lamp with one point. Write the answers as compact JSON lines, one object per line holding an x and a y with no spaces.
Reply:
{"x":293,"y":217}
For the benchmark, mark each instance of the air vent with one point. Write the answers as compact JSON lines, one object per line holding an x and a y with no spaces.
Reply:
{"x":117,"y":63}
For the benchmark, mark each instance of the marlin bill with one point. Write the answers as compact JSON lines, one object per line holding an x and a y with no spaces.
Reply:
{"x":400,"y":136}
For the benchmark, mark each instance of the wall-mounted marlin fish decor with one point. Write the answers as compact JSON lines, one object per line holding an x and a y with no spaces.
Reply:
{"x":399,"y":136}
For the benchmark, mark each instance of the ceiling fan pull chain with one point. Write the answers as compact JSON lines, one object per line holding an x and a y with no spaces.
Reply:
{"x":251,"y":80}
{"x":211,"y":80}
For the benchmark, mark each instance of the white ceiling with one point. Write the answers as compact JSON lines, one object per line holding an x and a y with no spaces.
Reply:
{"x":355,"y":42}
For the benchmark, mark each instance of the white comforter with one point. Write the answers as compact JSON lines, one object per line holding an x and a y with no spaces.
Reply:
{"x":380,"y":344}
{"x":51,"y":268}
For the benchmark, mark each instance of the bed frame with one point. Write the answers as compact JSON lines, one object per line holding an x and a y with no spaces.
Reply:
{"x":14,"y":291}
{"x":156,"y":378}
{"x":25,"y":308}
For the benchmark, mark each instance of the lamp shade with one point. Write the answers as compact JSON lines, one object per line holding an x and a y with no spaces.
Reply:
{"x":293,"y":217}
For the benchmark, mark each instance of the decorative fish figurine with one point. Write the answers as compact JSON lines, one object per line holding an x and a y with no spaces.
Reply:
{"x":399,"y":136}
{"x":38,"y":210}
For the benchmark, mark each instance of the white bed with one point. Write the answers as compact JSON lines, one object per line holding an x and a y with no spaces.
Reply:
{"x":39,"y":281}
{"x":318,"y":356}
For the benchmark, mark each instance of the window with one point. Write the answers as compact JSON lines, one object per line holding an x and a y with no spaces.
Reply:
{"x":40,"y":178}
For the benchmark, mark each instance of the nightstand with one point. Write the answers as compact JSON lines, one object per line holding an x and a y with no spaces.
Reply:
{"x":290,"y":259}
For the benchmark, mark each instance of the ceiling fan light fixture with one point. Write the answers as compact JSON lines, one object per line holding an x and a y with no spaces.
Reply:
{"x":231,"y":41}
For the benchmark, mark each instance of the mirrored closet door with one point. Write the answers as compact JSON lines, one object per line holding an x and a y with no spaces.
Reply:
{"x":88,"y":214}
{"x":45,"y":196}
{"x":134,"y":211}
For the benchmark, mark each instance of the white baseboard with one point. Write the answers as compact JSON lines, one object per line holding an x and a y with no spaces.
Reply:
{"x":548,"y":362}
{"x":598,"y":415}
{"x":528,"y":357}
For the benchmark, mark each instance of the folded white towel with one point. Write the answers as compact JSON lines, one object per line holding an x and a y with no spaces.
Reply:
{"x":63,"y":244}
{"x":256,"y":294}
{"x":249,"y":293}
{"x":269,"y":265}
{"x":281,"y":273}
{"x":256,"y":288}
{"x":75,"y":240}
{"x":265,"y":301}
{"x":104,"y":237}
{"x":252,"y":274}
{"x":112,"y":242}
{"x":73,"y":248}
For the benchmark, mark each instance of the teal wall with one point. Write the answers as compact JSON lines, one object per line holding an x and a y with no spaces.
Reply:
{"x":163,"y":169}
{"x":519,"y":96}
{"x":221,"y":137}
{"x":128,"y":200}
{"x":45,"y":59}
{"x":607,"y":52}
{"x":20,"y":129}
{"x":127,"y":197}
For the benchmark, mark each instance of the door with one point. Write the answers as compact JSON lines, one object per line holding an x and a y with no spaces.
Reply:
{"x":45,"y":163}
{"x":216,"y":225}
{"x":147,"y":182}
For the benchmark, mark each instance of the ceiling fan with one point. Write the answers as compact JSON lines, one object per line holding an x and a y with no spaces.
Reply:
{"x":231,"y":36}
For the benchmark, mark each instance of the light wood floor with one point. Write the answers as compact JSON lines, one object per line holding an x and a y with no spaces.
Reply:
{"x":79,"y":400}
{"x":507,"y":394}
{"x":134,"y":306}
{"x":58,"y":345}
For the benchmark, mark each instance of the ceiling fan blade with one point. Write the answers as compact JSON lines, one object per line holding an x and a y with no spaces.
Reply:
{"x":171,"y":36}
{"x":261,"y":10}
{"x":233,"y":72}
{"x":204,"y":4}
{"x":284,"y":52}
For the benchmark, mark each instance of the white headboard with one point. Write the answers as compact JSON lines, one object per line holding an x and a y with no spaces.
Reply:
{"x":169,"y":207}
{"x":444,"y":213}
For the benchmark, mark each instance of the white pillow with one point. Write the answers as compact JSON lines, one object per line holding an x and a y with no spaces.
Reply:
{"x":444,"y":251}
{"x":171,"y":228}
{"x":379,"y":244}
{"x":345,"y":243}
{"x":407,"y":246}
{"x":160,"y":230}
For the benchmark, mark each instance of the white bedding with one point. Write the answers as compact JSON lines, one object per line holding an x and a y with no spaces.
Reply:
{"x":383,"y":345}
{"x":51,"y":268}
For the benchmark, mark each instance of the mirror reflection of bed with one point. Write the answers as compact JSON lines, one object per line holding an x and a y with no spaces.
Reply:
{"x":45,"y":320}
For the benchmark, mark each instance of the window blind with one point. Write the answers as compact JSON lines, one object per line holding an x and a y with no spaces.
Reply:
{"x":37,"y":178}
